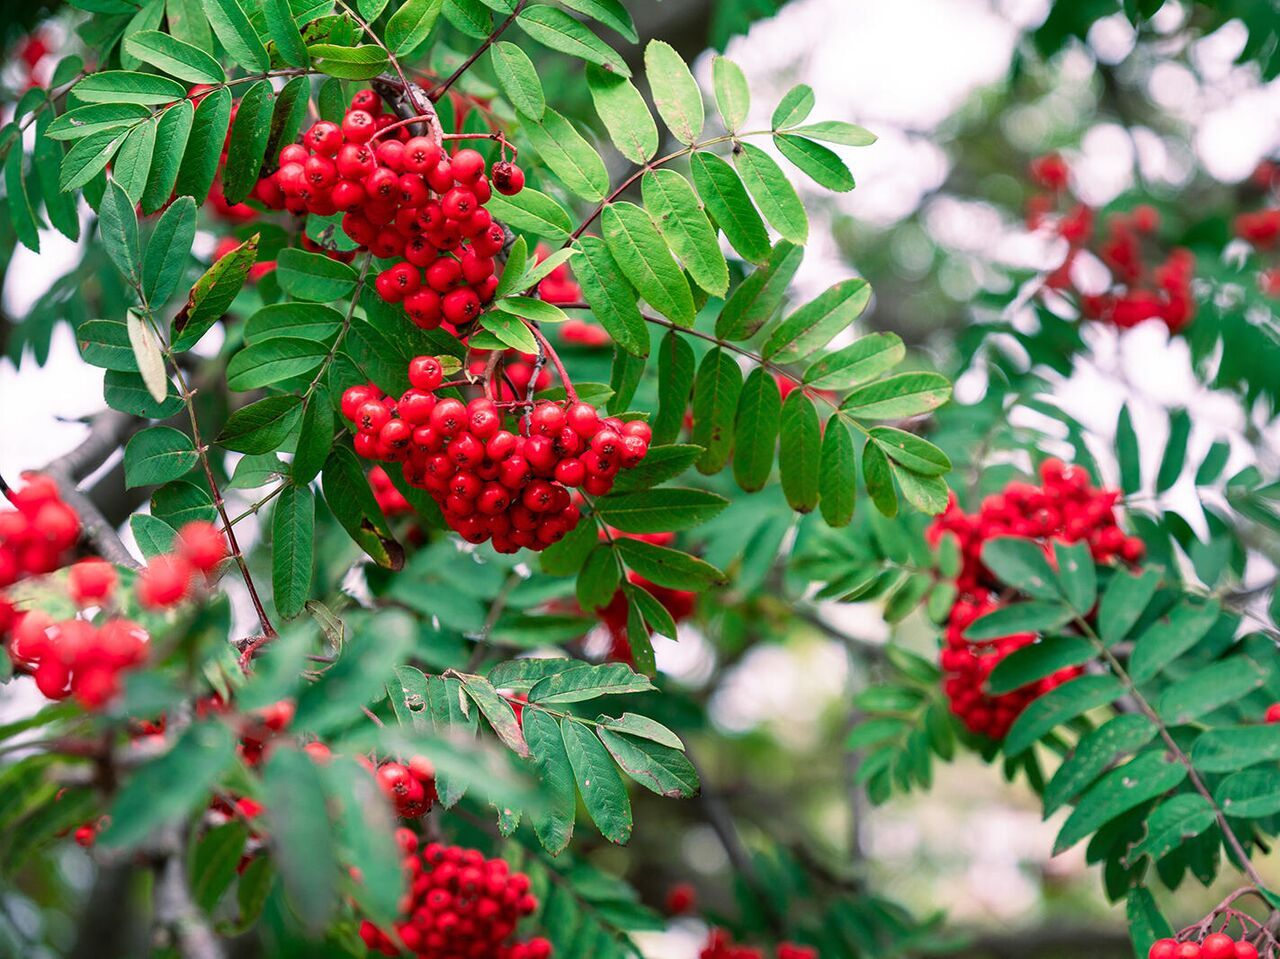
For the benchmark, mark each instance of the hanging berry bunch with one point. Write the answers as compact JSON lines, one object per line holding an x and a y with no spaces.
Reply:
{"x":491,"y":482}
{"x":1066,"y":507}
{"x":404,"y":198}
{"x":459,"y":904}
{"x":1140,"y":287}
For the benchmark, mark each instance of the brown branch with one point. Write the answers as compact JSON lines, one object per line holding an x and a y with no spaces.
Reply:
{"x":440,"y":89}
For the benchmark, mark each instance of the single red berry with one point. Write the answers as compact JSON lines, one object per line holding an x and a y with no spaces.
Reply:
{"x":425,"y":373}
{"x":91,"y":581}
{"x":508,"y":179}
{"x":165,"y":582}
{"x":202,"y":545}
{"x":468,"y":165}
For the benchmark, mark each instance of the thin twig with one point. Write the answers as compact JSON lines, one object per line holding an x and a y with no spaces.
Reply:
{"x":438,"y":91}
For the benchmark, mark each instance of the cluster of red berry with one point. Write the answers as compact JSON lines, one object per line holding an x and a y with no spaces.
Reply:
{"x":720,"y":945}
{"x":410,"y":786}
{"x":404,"y":199}
{"x":1067,"y":508}
{"x":32,"y":53}
{"x":390,"y":500}
{"x":35,"y":537}
{"x":82,"y":658}
{"x":1139,"y":290}
{"x":1216,"y":945}
{"x":678,"y":602}
{"x":460,"y":905}
{"x":1261,"y":228}
{"x":492,"y":483}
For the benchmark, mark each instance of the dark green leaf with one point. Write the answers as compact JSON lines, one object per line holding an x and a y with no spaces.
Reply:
{"x":314,"y":276}
{"x":582,"y":682}
{"x":348,"y":63}
{"x":1210,"y":688}
{"x":236,"y":33}
{"x":837,"y":473}
{"x":1175,"y":450}
{"x":773,"y":193}
{"x":1059,"y":705}
{"x":726,"y":198}
{"x":1033,"y":616}
{"x":553,"y":821}
{"x":1250,"y":794}
{"x":303,"y":840}
{"x":660,"y":464}
{"x":351,"y":501}
{"x":248,"y":144}
{"x":124,"y":86}
{"x":1122,"y":604}
{"x":1170,"y":636}
{"x":157,"y":455}
{"x":270,"y":361}
{"x":898,"y":396}
{"x":532,"y":211}
{"x":658,"y":768}
{"x":315,"y":438}
{"x":668,"y":567}
{"x":1077,"y":576}
{"x":625,"y":114}
{"x":756,"y":430}
{"x":676,"y":370}
{"x":815,"y":323}
{"x":172,"y":133}
{"x":800,"y":451}
{"x":261,"y":427}
{"x":598,"y":781}
{"x":1032,"y":663}
{"x":519,"y":79}
{"x":1127,"y":453}
{"x":878,"y":477}
{"x":671,"y":508}
{"x":913,"y":452}
{"x":644,"y":258}
{"x":168,"y":251}
{"x":1095,"y":752}
{"x":284,"y":31}
{"x":292,"y":549}
{"x":1120,"y":790}
{"x":674,"y":208}
{"x":715,"y":402}
{"x":1173,"y":822}
{"x":174,"y":57}
{"x":1230,"y":748}
{"x":611,"y":299}
{"x":1020,"y":562}
{"x":204,"y":146}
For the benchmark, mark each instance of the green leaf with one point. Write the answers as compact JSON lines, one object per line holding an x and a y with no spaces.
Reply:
{"x":1230,"y":748}
{"x":1076,"y":575}
{"x":314,"y":276}
{"x":625,"y":114}
{"x":1096,"y":751}
{"x":660,"y":464}
{"x":514,"y":270}
{"x":236,"y":33}
{"x":410,"y":25}
{"x":554,"y":28}
{"x":158,"y":455}
{"x":878,"y":477}
{"x":1175,"y":450}
{"x":598,"y":781}
{"x":773,"y":192}
{"x":566,"y":557}
{"x":675,"y":92}
{"x":302,"y":320}
{"x":582,"y":682}
{"x":172,"y":133}
{"x":180,"y":502}
{"x":204,"y":147}
{"x":248,"y":144}
{"x":531,"y":308}
{"x":169,"y":787}
{"x":270,"y":361}
{"x":348,"y":63}
{"x":800,"y":451}
{"x":674,"y":208}
{"x":1146,"y":924}
{"x":755,"y":436}
{"x":118,"y":229}
{"x":733,"y":98}
{"x":1120,"y":790}
{"x":669,"y":567}
{"x":553,"y":819}
{"x":1122,"y":604}
{"x":188,"y":23}
{"x":124,"y":86}
{"x":1210,"y":688}
{"x":470,"y":17}
{"x":95,"y":118}
{"x":153,"y":536}
{"x":611,"y":13}
{"x":132,"y":164}
{"x":726,"y":198}
{"x":284,"y":31}
{"x":1033,"y":663}
{"x":815,"y":323}
{"x":643,"y":256}
{"x":898,"y":397}
{"x":366,"y":839}
{"x":261,"y":427}
{"x":347,"y":493}
{"x":715,"y":402}
{"x":213,"y":867}
{"x":532,"y":211}
{"x":1214,"y":462}
{"x":105,"y":344}
{"x":1033,"y":616}
{"x":837,"y":469}
{"x":819,"y":163}
{"x":1127,"y":453}
{"x":315,"y":438}
{"x":567,"y":153}
{"x":928,"y":494}
{"x":598,"y":578}
{"x":643,"y":727}
{"x":213,"y":295}
{"x":1059,"y":705}
{"x":498,"y":712}
{"x":168,"y":250}
{"x":125,"y":391}
{"x":174,"y":57}
{"x":836,"y":131}
{"x":660,"y":769}
{"x":1173,"y":822}
{"x":760,"y":295}
{"x":303,"y":839}
{"x":89,"y":157}
{"x":916,"y":454}
{"x":1020,"y":562}
{"x":519,"y":79}
{"x":676,"y":369}
{"x":671,"y":508}
{"x":1250,"y":794}
{"x":1170,"y":636}
{"x":287,"y":117}
{"x":293,"y":525}
{"x":656,"y":616}
{"x":510,"y":330}
{"x":795,"y":105}
{"x":610,"y":297}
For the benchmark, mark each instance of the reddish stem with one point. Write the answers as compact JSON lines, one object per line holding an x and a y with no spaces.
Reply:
{"x":551,"y":354}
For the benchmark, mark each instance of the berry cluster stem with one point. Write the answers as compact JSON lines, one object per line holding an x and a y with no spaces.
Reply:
{"x":546,"y":349}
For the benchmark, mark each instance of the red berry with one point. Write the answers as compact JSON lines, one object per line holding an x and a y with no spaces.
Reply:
{"x":165,"y":582}
{"x":425,"y":373}
{"x":202,"y":545}
{"x":91,"y":581}
{"x":508,"y":179}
